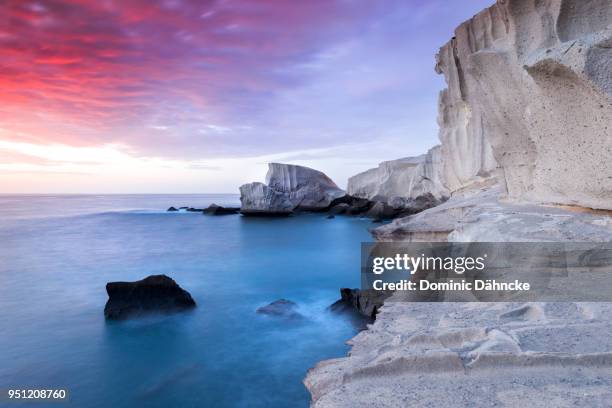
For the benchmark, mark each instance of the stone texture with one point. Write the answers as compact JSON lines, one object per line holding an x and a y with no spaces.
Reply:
{"x":528,"y":103}
{"x":480,"y":215}
{"x":154,"y":294}
{"x":529,"y":98}
{"x":288,"y":188}
{"x":400,"y":181}
{"x":308,"y":189}
{"x":366,"y":302}
{"x":473,"y":355}
{"x":526,"y":141}
{"x":259,"y":199}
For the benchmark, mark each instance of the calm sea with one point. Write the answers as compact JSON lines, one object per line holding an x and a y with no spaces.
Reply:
{"x":58,"y":252}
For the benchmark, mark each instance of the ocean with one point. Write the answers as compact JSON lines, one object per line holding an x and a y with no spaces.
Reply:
{"x":58,"y":252}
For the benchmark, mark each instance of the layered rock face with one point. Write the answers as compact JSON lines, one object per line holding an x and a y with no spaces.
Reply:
{"x":473,"y":355}
{"x":397,"y":182}
{"x":530,"y":92}
{"x":307,"y":188}
{"x":257,"y":198}
{"x":289,"y":188}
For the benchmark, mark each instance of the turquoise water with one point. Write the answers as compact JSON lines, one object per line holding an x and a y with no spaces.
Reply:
{"x":58,"y":252}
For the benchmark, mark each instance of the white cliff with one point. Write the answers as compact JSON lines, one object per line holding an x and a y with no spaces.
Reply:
{"x":528,"y":103}
{"x":406,"y":178}
{"x":289,"y":187}
{"x":257,"y":198}
{"x":530,"y":88}
{"x":526,"y":142}
{"x":308,"y":189}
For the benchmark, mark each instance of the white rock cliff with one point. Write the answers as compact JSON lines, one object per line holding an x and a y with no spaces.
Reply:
{"x":406,"y":178}
{"x":289,"y":187}
{"x":528,"y":103}
{"x":525,"y":155}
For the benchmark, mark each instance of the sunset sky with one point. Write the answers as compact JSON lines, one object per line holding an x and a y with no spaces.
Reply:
{"x":197,"y":96}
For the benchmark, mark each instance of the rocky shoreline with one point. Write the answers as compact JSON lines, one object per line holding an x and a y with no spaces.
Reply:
{"x":526,"y":140}
{"x":292,"y":189}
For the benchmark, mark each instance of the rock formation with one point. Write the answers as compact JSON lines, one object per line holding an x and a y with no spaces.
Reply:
{"x":473,"y":355}
{"x":154,"y":294}
{"x":526,"y":141}
{"x":366,"y":302}
{"x":259,"y":199}
{"x":215,"y":209}
{"x":530,"y":92}
{"x":281,"y":308}
{"x":399,"y":182}
{"x":308,"y":189}
{"x":528,"y":103}
{"x":288,"y":188}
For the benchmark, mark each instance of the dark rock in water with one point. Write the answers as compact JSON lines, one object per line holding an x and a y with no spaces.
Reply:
{"x":381,"y":211}
{"x":281,"y":308}
{"x":183,"y":208}
{"x":366,"y":302}
{"x":215,"y":209}
{"x":191,"y":209}
{"x":172,"y":209}
{"x":359,"y":206}
{"x":156,"y":293}
{"x":340,"y":208}
{"x":330,"y":217}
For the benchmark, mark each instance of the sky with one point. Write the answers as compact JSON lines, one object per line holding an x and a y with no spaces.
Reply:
{"x":178,"y":96}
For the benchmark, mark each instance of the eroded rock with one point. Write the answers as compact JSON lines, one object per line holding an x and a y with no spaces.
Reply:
{"x":366,"y":302}
{"x":259,"y":199}
{"x":289,"y":188}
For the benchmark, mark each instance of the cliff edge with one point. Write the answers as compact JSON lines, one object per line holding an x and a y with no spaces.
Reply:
{"x":526,"y":140}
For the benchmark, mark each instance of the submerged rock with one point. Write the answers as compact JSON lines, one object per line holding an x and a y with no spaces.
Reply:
{"x":366,"y":302}
{"x":215,"y":209}
{"x":340,"y":208}
{"x":281,"y":308}
{"x":155,"y":293}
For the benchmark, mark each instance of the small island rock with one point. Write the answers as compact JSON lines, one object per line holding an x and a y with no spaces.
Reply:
{"x":155,"y":293}
{"x":281,"y":308}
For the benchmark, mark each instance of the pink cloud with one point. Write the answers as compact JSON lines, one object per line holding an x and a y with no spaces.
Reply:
{"x":109,"y":65}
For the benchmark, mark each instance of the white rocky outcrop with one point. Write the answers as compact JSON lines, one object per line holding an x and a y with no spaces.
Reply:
{"x":473,"y":355}
{"x":528,"y":103}
{"x":257,"y":198}
{"x":289,"y":187}
{"x":406,"y":179}
{"x":529,"y":97}
{"x":526,"y":142}
{"x":307,"y":188}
